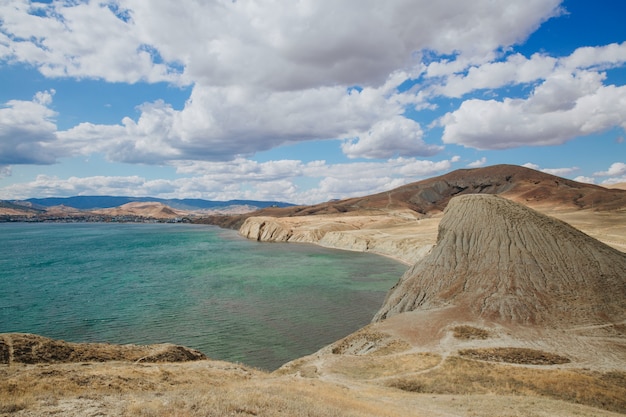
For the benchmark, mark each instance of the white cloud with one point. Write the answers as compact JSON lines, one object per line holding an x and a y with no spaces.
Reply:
{"x":221,"y":123}
{"x":561,"y":108}
{"x":615,"y":180}
{"x":532,"y":166}
{"x":78,"y":39}
{"x":587,"y":180}
{"x":387,"y":138}
{"x":561,"y":172}
{"x":264,"y":74}
{"x":616,"y":168}
{"x":244,"y":179}
{"x":460,"y":77}
{"x":5,"y":171}
{"x":294,"y":45}
{"x":516,"y":69}
{"x":26,"y":127}
{"x":598,"y":57}
{"x":478,"y":163}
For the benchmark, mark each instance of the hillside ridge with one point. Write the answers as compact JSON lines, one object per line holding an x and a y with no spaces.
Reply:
{"x":500,"y":260}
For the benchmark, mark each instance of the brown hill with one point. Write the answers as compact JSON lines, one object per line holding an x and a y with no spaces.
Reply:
{"x":527,"y":186}
{"x":524,"y":185}
{"x":63,"y":211}
{"x":11,"y":209}
{"x":144,"y":209}
{"x":499,"y":260}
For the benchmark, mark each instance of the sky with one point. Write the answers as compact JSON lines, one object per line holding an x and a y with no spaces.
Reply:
{"x":304,"y":101}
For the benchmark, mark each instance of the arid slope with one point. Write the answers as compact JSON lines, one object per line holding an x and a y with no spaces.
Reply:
{"x":527,"y":186}
{"x":402,"y":223}
{"x":502,"y":261}
{"x":144,"y":209}
{"x":508,"y":301}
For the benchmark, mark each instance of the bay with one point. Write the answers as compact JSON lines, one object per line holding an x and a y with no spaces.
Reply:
{"x":261,"y":304}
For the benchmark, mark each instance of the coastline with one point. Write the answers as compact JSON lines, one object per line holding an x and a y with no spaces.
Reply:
{"x":402,"y":239}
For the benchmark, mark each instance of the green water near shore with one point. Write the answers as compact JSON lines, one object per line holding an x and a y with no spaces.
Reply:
{"x":261,"y":304}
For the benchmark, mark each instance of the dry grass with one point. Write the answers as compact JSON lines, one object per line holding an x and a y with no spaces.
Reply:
{"x":521,"y":356}
{"x":208,"y":388}
{"x":470,"y":333}
{"x":369,"y":342}
{"x":259,"y":398}
{"x":202,"y":388}
{"x":364,"y":367}
{"x":464,"y":376}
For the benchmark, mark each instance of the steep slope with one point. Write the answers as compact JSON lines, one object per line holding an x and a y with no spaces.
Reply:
{"x":499,"y":260}
{"x":527,"y":186}
{"x":11,"y":209}
{"x":530,"y":187}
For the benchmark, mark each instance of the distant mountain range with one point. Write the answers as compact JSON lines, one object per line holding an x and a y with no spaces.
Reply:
{"x":103,"y":202}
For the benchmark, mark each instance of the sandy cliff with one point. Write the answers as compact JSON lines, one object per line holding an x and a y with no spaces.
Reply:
{"x":402,"y":235}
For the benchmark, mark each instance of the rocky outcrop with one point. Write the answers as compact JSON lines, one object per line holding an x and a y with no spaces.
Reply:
{"x":498,"y":260}
{"x":376,"y":234}
{"x":30,"y":348}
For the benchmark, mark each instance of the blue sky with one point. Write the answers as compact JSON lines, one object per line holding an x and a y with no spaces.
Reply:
{"x":304,"y":101}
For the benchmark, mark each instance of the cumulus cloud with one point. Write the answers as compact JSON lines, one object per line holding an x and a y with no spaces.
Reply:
{"x":459,"y":77}
{"x":387,"y":138}
{"x":222,"y":123}
{"x":564,"y":106}
{"x":561,"y":172}
{"x":516,"y":69}
{"x":245,"y":179}
{"x":79,"y":39}
{"x":585,"y":179}
{"x":263,"y":73}
{"x":616,"y":168}
{"x":598,"y":57}
{"x":297,"y":45}
{"x":26,"y":128}
{"x":569,"y":99}
{"x":478,"y":163}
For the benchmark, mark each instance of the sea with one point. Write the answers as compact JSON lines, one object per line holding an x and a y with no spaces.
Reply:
{"x":260,"y":304}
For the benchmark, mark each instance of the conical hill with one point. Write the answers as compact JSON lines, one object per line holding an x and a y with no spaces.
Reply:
{"x":498,"y":260}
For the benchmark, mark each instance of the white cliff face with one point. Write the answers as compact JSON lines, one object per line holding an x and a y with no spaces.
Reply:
{"x":400,"y":237}
{"x":265,"y":229}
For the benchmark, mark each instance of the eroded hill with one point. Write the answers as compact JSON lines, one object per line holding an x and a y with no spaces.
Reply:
{"x":499,"y":260}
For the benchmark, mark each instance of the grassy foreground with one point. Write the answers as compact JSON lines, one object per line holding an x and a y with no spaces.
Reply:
{"x":360,"y":386}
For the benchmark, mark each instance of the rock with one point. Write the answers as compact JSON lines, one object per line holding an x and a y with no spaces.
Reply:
{"x":30,"y":349}
{"x":392,"y":234}
{"x":499,"y":260}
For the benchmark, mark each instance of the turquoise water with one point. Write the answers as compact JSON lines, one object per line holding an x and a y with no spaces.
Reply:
{"x":261,"y":304}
